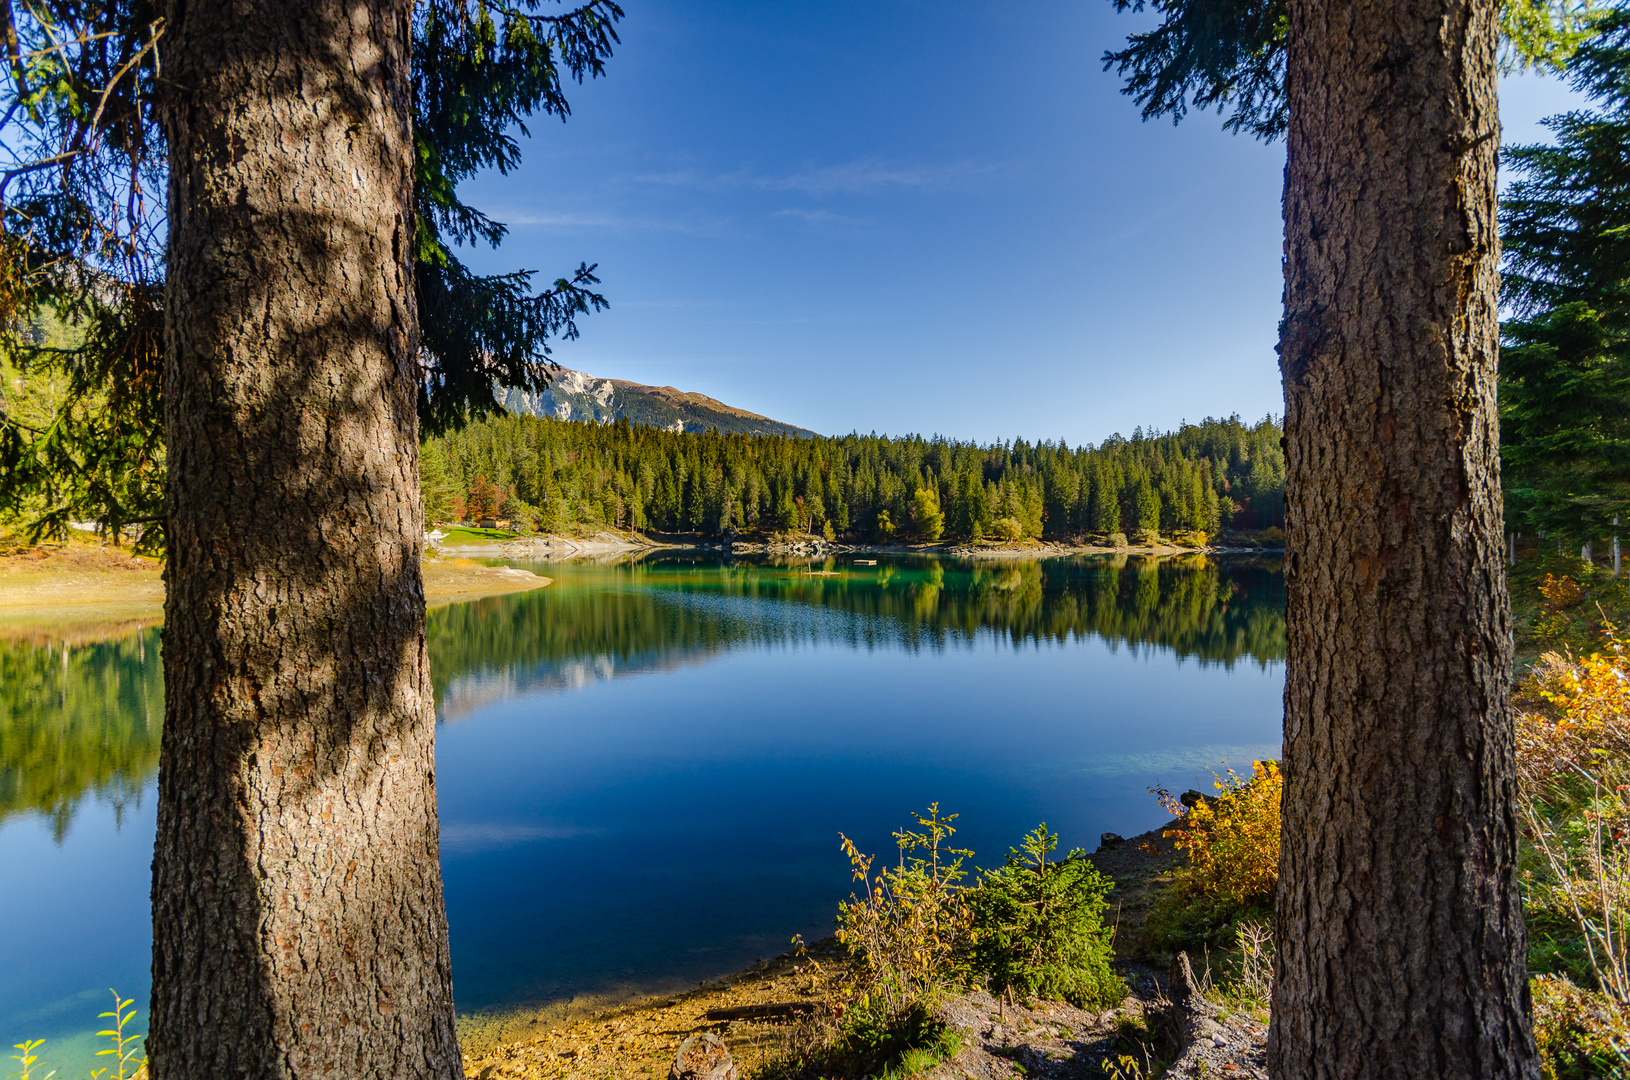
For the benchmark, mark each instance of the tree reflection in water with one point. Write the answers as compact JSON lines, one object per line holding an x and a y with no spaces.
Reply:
{"x":596,"y":622}
{"x":84,"y":721}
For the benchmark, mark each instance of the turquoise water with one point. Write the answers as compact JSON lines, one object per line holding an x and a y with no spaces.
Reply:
{"x":644,"y":768}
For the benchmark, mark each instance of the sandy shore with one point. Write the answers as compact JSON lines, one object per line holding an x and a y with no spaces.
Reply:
{"x":86,"y":592}
{"x":1047,"y":550}
{"x":617,"y":544}
{"x":556,"y":547}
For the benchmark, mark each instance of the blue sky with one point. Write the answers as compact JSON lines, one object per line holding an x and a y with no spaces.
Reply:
{"x":911,"y":216}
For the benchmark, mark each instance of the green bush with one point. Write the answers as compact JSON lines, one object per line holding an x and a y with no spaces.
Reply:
{"x":1038,"y":926}
{"x":1117,"y":539}
{"x":1177,"y":923}
{"x":875,"y":1043}
{"x":1148,"y":537}
{"x":1006,"y":528}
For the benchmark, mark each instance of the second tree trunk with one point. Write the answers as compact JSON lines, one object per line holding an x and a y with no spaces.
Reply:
{"x":1400,"y":936}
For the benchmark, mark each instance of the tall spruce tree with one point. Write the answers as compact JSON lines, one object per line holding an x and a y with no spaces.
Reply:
{"x":1401,"y":949}
{"x":1565,"y":365}
{"x":82,"y":225}
{"x":298,"y":921}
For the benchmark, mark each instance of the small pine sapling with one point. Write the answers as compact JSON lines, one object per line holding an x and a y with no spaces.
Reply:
{"x":1038,"y":926}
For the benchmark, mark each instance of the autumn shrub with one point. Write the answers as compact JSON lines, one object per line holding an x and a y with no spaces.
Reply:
{"x":1573,"y":770}
{"x":1571,"y":711}
{"x":1006,"y":528}
{"x":1232,"y":840}
{"x":1561,"y":593}
{"x":1038,"y":927}
{"x":1580,"y":1034}
{"x":1559,"y":599}
{"x":1559,"y":603}
{"x":1232,"y":843}
{"x":906,"y":936}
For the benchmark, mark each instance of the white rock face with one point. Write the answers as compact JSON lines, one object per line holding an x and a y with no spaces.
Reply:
{"x":572,"y":395}
{"x":577,"y":395}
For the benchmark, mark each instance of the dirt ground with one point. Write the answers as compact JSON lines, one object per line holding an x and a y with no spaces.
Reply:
{"x":81,"y":591}
{"x":451,"y":581}
{"x":639,"y":1039}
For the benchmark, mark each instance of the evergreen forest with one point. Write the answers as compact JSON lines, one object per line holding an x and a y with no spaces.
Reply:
{"x":559,"y":476}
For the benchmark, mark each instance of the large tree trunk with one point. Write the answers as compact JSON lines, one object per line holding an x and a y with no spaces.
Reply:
{"x":298,"y":925}
{"x":1401,"y":944}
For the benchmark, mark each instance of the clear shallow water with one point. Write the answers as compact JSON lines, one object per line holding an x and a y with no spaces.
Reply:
{"x":643,"y":768}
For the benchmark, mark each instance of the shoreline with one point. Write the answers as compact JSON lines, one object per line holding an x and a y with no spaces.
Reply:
{"x":76,"y":594}
{"x":79,"y":592}
{"x":636,"y":1036}
{"x":618,"y":543}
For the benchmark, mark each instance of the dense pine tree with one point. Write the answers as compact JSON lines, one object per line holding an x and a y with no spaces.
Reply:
{"x":1565,"y":365}
{"x":83,"y":234}
{"x":565,"y":475}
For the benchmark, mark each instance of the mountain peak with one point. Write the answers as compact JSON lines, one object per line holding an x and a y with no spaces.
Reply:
{"x":577,"y":395}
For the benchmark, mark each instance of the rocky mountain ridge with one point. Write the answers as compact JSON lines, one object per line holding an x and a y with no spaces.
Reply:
{"x":577,"y":395}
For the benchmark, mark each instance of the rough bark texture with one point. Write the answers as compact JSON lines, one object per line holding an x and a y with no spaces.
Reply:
{"x":1401,"y":945}
{"x":298,"y":924}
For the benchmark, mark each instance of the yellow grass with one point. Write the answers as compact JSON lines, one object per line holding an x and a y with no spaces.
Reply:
{"x":82,"y":591}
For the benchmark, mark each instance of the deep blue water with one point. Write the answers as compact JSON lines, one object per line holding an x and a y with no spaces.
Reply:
{"x":643,"y":769}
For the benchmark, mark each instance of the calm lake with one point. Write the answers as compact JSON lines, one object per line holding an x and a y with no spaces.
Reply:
{"x":644,"y":768}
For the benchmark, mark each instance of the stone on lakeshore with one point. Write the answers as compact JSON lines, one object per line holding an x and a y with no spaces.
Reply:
{"x":703,"y":1057}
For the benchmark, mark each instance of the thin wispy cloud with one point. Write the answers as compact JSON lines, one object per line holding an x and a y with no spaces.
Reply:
{"x":862,"y":177}
{"x":672,"y":303}
{"x":589,"y":221}
{"x":522,"y":219}
{"x":1137,"y":226}
{"x":818,"y":218}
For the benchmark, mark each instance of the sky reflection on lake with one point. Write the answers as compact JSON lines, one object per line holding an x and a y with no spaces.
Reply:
{"x":643,"y":769}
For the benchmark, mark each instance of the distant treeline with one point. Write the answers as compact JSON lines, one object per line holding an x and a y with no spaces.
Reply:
{"x":559,"y":475}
